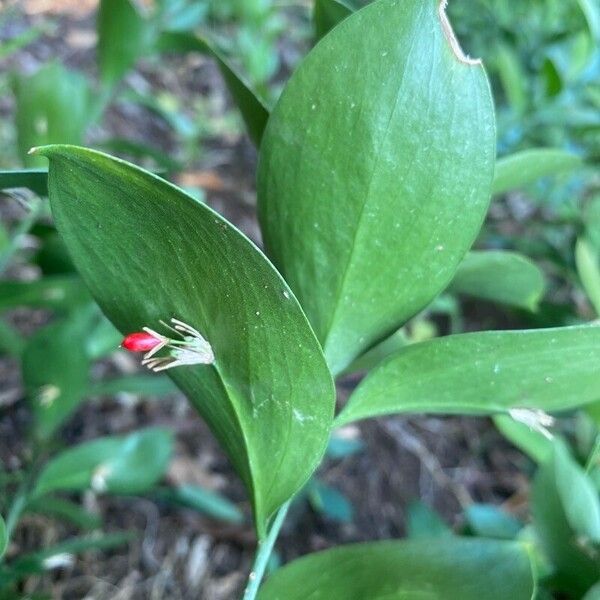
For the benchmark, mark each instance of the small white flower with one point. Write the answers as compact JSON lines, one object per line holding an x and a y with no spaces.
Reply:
{"x":535,"y":419}
{"x":188,"y":348}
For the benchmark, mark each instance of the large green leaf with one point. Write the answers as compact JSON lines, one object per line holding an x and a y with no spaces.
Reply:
{"x":484,"y":373}
{"x":52,"y":107}
{"x":375,"y":172}
{"x":150,"y":252}
{"x":444,"y":569}
{"x":130,"y":464}
{"x":526,"y":167}
{"x":253,"y":109}
{"x":505,"y":277}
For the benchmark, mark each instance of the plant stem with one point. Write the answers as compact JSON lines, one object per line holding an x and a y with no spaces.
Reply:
{"x":263,"y":553}
{"x":16,"y":508}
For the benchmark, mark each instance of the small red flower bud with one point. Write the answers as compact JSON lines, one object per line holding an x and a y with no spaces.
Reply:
{"x":140,"y":342}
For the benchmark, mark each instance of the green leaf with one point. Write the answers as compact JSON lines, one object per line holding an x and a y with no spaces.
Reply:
{"x":103,"y":339}
{"x":34,"y":179}
{"x":52,"y":106}
{"x":589,"y":272}
{"x":591,"y":10}
{"x":576,"y":565}
{"x":58,"y":292}
{"x":424,"y":522}
{"x":123,"y":37}
{"x":269,"y":396}
{"x":416,"y":569}
{"x":3,"y":537}
{"x":593,"y":593}
{"x":65,"y":510}
{"x":475,"y":374}
{"x":533,"y":443}
{"x":253,"y":109}
{"x":327,"y":14}
{"x":330,"y":502}
{"x":201,"y":500}
{"x":130,"y":464}
{"x":578,"y":495}
{"x":379,"y":352}
{"x":512,"y":76}
{"x":487,"y":520}
{"x":146,"y":385}
{"x":526,"y":167}
{"x":55,"y":372}
{"x":375,"y":172}
{"x":39,"y":562}
{"x":499,"y":276}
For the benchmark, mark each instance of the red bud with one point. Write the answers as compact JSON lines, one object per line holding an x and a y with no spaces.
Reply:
{"x":140,"y":342}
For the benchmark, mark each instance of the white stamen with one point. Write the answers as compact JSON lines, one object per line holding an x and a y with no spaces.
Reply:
{"x":191,"y":349}
{"x":535,"y":419}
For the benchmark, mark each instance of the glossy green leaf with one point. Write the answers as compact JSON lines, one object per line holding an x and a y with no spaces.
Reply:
{"x":327,"y":14}
{"x":52,"y":106}
{"x":123,"y":37}
{"x":3,"y":537}
{"x":417,"y":569}
{"x":576,"y":564}
{"x":533,"y":443}
{"x":589,"y":271}
{"x":269,"y":396}
{"x":55,"y":372}
{"x":201,"y":500}
{"x":487,"y":520}
{"x":424,"y":522}
{"x":253,"y":109}
{"x":375,"y":172}
{"x":130,"y":464}
{"x":505,"y":277}
{"x":60,"y":292}
{"x":34,"y":179}
{"x":526,"y":167}
{"x":475,"y":373}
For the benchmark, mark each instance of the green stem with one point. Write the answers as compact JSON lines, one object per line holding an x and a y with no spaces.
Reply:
{"x":17,"y":507}
{"x":263,"y":553}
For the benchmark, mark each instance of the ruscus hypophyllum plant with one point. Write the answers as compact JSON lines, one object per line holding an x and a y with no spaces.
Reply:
{"x":375,"y":174}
